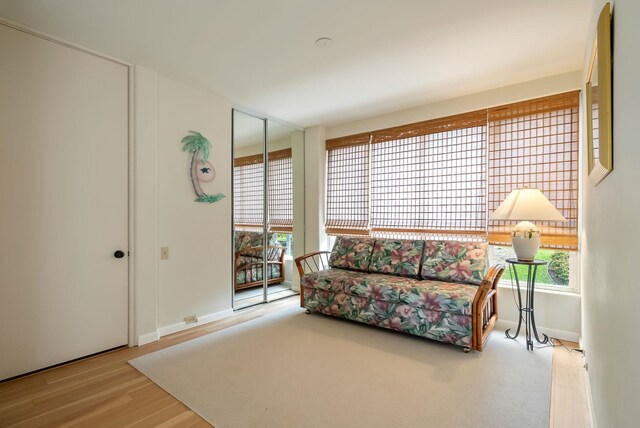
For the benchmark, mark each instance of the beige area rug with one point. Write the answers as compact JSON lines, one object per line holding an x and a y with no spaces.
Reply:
{"x":290,"y":369}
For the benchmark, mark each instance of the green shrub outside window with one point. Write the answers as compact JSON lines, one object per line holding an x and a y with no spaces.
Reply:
{"x":556,"y":272}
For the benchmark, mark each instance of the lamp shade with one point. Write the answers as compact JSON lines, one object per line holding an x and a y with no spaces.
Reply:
{"x":527,"y":204}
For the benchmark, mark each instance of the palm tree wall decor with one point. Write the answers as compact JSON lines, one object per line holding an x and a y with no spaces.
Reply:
{"x":201,"y":170}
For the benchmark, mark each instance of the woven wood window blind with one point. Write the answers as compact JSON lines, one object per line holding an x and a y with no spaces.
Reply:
{"x":347,"y":210}
{"x":280,"y":182}
{"x":535,"y":144}
{"x":430,"y":177}
{"x":248,"y":192}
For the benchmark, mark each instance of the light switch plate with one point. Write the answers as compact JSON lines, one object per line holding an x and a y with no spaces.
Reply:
{"x":164,"y":253}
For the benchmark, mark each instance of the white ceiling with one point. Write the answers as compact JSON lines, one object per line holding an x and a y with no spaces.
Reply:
{"x":387,"y":55}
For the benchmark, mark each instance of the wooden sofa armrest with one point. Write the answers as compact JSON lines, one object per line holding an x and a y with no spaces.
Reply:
{"x":491,"y":278}
{"x":484,"y":312}
{"x":313,"y":262}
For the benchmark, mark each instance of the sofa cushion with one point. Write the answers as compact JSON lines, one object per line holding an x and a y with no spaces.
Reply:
{"x":397,"y":257}
{"x":386,"y":288}
{"x":333,"y":280}
{"x":248,"y":239}
{"x":464,"y":262}
{"x":351,"y":253}
{"x":441,"y":296}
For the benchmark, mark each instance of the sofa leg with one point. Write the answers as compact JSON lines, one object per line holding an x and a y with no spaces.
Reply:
{"x":466,"y":349}
{"x":307,"y":311}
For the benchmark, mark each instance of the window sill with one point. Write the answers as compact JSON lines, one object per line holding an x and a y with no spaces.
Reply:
{"x":546,"y":289}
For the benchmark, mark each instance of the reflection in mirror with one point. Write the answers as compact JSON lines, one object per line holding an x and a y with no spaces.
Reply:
{"x":598,"y":107}
{"x":595,"y":132}
{"x":285,"y":179}
{"x":248,"y":209}
{"x":264,"y":263}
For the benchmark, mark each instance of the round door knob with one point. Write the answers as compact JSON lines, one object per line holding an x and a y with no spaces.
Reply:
{"x":118,"y":254}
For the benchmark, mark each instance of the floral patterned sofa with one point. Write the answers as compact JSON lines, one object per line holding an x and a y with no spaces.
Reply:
{"x":440,"y":290}
{"x":248,"y":261}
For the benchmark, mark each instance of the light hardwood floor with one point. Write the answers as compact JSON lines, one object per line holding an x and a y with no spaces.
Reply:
{"x":105,"y":391}
{"x":569,"y":391}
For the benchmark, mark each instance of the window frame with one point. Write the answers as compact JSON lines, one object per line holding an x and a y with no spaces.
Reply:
{"x":574,"y":269}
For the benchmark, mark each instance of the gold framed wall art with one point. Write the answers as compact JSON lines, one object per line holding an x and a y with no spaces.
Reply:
{"x":598,"y":102}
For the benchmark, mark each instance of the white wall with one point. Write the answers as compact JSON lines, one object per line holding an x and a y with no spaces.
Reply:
{"x":314,"y":183}
{"x":494,"y":97}
{"x":299,"y":249}
{"x":254,"y":149}
{"x":557,"y":314}
{"x":196,"y":279}
{"x":609,"y":250}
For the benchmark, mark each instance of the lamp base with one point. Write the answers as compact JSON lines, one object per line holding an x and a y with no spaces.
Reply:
{"x":525,"y":238}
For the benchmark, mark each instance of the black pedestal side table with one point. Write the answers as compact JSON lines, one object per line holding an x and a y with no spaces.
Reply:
{"x":526,"y":311}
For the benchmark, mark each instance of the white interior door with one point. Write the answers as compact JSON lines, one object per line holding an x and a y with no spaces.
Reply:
{"x":63,"y":203}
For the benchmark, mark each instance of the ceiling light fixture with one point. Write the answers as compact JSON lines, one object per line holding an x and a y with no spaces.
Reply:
{"x":324,"y":42}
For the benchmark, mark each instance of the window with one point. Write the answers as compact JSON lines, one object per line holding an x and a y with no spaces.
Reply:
{"x":535,"y":144}
{"x":348,"y":185}
{"x":430,"y":177}
{"x":560,"y":267}
{"x":441,"y":178}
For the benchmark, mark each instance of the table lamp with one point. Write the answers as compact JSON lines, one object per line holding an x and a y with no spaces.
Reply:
{"x":526,"y":205}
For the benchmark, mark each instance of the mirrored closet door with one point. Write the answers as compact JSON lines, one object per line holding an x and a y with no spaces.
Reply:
{"x":268,"y":214}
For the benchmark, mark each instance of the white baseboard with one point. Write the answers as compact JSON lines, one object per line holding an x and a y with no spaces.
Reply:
{"x":174,"y":328}
{"x":148,"y":338}
{"x":558,"y":334}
